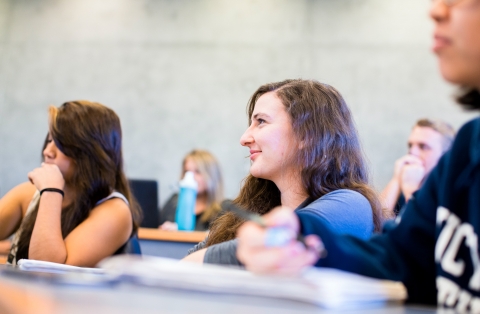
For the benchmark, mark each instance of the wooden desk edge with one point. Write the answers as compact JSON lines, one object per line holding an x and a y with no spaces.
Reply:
{"x":173,"y":236}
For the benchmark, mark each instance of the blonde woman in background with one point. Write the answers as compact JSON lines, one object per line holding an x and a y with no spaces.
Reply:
{"x":209,"y":195}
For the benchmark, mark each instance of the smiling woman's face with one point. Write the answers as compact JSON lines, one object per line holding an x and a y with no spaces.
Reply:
{"x":271,"y":139}
{"x":457,"y":40}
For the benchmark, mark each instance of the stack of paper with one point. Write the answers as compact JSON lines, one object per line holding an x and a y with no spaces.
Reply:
{"x":60,"y":274}
{"x":326,"y":287}
{"x":50,"y":267}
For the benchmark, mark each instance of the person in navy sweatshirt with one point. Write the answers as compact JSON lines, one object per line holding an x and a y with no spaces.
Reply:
{"x":434,"y":248}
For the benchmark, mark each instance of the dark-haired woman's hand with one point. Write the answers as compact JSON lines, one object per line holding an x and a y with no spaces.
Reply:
{"x":47,"y":176}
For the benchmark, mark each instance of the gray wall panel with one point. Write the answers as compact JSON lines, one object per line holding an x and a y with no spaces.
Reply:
{"x":179,"y":73}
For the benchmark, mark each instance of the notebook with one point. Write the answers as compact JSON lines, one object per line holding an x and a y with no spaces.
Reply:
{"x":325,"y":287}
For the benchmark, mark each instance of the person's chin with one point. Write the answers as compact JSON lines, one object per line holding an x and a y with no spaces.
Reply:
{"x":257,"y":172}
{"x":453,"y":73}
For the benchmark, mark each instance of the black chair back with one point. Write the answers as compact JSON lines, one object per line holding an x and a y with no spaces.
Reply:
{"x":131,"y":247}
{"x":146,"y":194}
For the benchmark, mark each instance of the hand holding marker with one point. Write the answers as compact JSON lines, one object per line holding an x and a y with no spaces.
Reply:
{"x":275,"y":236}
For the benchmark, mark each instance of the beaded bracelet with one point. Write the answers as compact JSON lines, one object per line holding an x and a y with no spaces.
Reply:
{"x":52,"y":190}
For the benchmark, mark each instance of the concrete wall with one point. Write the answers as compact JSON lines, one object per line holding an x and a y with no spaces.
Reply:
{"x":179,"y":73}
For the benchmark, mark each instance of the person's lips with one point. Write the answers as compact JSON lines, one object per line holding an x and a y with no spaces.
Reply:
{"x":254,"y":153}
{"x":440,"y":42}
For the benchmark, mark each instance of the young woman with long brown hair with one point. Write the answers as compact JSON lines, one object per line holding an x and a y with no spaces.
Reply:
{"x":77,"y":207}
{"x":305,"y":155}
{"x":434,"y":248}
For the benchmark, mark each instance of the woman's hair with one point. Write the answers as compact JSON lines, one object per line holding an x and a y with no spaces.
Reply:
{"x":330,"y":157}
{"x":90,"y":134}
{"x":469,"y":98}
{"x":209,"y":169}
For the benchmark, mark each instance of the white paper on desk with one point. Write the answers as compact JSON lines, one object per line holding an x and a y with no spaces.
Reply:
{"x":326,"y":287}
{"x":50,"y":267}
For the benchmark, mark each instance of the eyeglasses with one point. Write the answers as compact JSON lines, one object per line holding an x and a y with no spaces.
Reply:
{"x":448,"y":2}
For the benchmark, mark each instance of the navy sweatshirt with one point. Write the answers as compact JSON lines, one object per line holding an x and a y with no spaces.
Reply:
{"x":433,"y":249}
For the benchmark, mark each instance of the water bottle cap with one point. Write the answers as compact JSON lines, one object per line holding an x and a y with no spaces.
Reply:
{"x":189,"y":180}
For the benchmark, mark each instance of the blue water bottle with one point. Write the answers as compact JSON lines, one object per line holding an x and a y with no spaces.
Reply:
{"x":185,"y":215}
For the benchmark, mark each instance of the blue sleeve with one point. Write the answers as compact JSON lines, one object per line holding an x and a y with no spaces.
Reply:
{"x":343,"y":212}
{"x":198,"y":246}
{"x":404,"y":253}
{"x":224,"y":253}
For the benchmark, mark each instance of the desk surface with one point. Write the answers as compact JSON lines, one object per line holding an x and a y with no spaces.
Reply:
{"x":173,"y":244}
{"x":173,"y":236}
{"x":20,"y":295}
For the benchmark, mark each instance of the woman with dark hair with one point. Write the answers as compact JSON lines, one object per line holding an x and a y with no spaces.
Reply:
{"x":305,"y":155}
{"x":434,"y":248}
{"x":77,"y":208}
